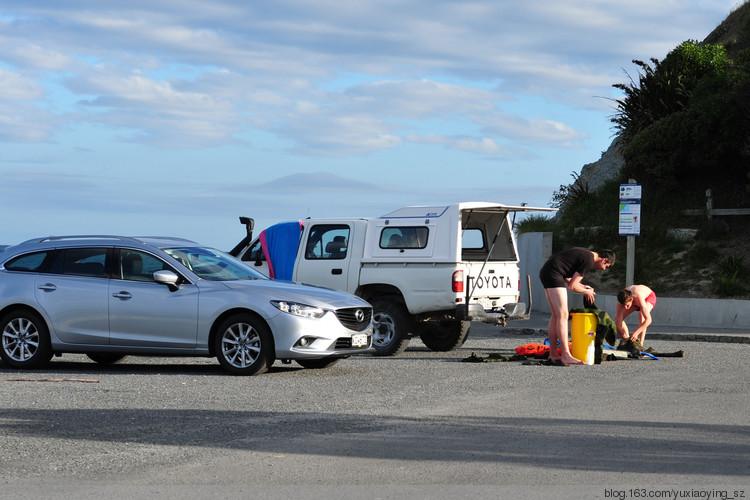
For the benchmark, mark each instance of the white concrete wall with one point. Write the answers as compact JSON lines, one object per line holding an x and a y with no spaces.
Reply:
{"x":535,"y":248}
{"x":669,"y":311}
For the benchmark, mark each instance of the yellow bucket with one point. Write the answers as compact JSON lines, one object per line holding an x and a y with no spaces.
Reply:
{"x":582,"y":333}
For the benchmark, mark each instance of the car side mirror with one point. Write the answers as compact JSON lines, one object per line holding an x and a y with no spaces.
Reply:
{"x":168,"y":278}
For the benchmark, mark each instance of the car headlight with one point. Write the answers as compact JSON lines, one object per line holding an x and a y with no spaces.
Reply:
{"x":298,"y":309}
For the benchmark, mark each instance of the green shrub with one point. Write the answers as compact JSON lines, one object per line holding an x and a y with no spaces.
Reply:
{"x":734,"y":266}
{"x":535,"y":223}
{"x":730,"y":280}
{"x":728,"y":286}
{"x":702,"y":254}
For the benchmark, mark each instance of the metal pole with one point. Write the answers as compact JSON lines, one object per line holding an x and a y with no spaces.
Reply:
{"x":630,"y":262}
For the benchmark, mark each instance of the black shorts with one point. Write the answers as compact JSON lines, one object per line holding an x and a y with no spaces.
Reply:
{"x":551,"y":279}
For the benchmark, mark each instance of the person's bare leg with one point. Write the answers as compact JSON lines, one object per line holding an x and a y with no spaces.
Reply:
{"x":642,"y":336}
{"x":558,"y":326}
{"x":552,"y":336}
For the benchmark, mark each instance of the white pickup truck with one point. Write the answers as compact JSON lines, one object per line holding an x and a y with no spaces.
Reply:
{"x":428,"y":271}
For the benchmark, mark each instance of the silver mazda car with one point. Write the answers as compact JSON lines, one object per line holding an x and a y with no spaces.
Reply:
{"x":111,"y":296}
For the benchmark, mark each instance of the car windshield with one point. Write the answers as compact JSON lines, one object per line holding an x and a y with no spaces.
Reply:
{"x":213,"y":265}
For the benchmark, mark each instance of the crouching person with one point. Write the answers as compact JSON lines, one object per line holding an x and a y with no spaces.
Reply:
{"x":634,"y":298}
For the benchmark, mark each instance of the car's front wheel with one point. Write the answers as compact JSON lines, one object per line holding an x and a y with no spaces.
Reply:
{"x":25,"y":340}
{"x":243,"y":345}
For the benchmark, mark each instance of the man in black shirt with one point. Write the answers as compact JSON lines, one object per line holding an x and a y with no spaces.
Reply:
{"x":564,"y":271}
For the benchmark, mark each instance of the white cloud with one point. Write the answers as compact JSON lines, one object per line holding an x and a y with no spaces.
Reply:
{"x":159,"y":113}
{"x":25,"y":123}
{"x":17,"y":87}
{"x":419,"y":99}
{"x":481,"y":145}
{"x":32,"y":55}
{"x":318,"y":131}
{"x":318,"y":182}
{"x":233,"y":94}
{"x":274,"y":56}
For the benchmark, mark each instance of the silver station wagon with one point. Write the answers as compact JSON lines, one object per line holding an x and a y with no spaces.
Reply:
{"x":111,"y":296}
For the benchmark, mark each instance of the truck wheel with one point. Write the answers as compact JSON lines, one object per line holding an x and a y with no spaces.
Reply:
{"x":448,"y":336}
{"x":391,"y":320}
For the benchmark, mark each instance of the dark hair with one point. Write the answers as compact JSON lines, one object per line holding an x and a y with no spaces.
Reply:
{"x":624,"y":295}
{"x":607,"y":254}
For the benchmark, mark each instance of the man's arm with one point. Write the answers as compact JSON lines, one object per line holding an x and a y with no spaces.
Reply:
{"x":575,"y":285}
{"x":622,"y":328}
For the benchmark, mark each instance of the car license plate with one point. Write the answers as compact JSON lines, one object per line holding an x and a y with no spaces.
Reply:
{"x":359,"y":340}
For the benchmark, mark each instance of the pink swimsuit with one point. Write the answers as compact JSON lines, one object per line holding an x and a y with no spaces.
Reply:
{"x":651,"y":299}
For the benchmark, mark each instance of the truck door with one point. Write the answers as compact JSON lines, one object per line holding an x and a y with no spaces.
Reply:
{"x":326,"y":256}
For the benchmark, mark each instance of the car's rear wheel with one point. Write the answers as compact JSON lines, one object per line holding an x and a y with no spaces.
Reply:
{"x":243,"y":345}
{"x":318,"y":364}
{"x":105,"y":358}
{"x":391,"y":335}
{"x":25,"y":340}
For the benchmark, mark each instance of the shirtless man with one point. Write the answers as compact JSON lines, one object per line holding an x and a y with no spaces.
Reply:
{"x":562,"y":272}
{"x":630,"y":299}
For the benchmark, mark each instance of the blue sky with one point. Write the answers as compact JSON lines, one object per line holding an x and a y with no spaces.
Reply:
{"x":175,"y":117}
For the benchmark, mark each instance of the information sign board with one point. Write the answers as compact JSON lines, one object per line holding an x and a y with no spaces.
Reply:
{"x":630,"y":209}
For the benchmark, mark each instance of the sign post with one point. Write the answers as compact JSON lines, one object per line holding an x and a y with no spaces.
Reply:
{"x":630,"y":223}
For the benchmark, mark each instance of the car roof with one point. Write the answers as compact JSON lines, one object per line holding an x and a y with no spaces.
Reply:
{"x":100,"y":239}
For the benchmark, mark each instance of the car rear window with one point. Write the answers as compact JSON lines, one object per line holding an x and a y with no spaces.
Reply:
{"x":30,"y":263}
{"x":81,"y":262}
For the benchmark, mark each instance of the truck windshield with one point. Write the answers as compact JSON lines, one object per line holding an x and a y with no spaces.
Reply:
{"x":213,"y":265}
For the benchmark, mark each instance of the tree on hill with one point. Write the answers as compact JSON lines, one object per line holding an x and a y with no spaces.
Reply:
{"x":686,"y":125}
{"x":683,"y":126}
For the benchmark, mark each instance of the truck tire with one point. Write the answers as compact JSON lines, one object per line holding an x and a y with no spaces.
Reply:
{"x":391,"y":335}
{"x":447,"y":336}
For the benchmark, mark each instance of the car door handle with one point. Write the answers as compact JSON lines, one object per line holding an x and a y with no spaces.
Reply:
{"x":337,"y":271}
{"x":47,"y":287}
{"x":122,"y":295}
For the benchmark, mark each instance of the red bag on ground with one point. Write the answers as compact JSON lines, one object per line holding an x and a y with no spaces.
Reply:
{"x":536,"y":350}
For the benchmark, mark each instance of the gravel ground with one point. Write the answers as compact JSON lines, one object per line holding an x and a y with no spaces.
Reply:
{"x":423,"y":424}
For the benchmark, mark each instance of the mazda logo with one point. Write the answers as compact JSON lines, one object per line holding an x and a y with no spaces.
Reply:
{"x":359,"y":315}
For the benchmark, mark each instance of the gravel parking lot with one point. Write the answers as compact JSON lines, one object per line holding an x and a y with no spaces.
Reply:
{"x":423,"y":424}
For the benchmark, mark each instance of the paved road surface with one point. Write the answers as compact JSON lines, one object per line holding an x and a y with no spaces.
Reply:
{"x":421,"y":425}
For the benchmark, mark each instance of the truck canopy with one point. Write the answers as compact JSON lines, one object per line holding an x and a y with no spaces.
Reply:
{"x":409,"y":234}
{"x":484,"y":228}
